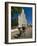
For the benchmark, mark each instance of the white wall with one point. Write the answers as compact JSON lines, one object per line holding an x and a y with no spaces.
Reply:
{"x":2,"y":24}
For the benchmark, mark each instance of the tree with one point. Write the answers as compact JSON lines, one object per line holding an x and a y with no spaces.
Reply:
{"x":14,"y":11}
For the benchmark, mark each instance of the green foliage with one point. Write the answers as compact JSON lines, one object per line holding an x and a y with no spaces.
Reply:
{"x":14,"y":23}
{"x":16,"y":9}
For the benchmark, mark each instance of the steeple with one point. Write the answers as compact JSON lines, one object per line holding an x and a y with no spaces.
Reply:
{"x":22,"y":10}
{"x":22,"y":19}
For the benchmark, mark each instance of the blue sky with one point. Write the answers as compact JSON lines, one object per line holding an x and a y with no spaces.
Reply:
{"x":28,"y":12}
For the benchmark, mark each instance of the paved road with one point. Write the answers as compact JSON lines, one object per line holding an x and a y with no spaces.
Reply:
{"x":26,"y":34}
